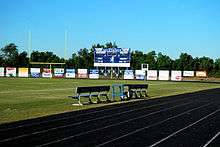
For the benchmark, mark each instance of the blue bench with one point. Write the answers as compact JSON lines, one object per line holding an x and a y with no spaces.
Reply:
{"x":91,"y":91}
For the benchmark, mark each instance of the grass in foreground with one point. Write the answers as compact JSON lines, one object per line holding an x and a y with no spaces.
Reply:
{"x":24,"y":98}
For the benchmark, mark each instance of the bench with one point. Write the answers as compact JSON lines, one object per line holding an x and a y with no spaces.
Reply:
{"x":91,"y":91}
{"x":136,"y":90}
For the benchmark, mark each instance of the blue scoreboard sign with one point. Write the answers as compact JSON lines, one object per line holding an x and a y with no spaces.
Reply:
{"x":112,"y":57}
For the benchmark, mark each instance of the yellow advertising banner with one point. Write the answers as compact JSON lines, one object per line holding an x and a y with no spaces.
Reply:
{"x":201,"y":74}
{"x":23,"y":72}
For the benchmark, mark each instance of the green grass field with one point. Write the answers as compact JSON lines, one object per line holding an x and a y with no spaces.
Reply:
{"x":24,"y":98}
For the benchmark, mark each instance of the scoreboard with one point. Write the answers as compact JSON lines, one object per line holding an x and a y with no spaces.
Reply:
{"x":112,"y":57}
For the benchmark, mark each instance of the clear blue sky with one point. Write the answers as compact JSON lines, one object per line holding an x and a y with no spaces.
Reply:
{"x":167,"y":26}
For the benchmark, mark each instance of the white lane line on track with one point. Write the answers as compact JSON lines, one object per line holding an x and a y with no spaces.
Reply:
{"x":83,"y":114}
{"x":86,"y":121}
{"x":153,"y":125}
{"x":116,"y":124}
{"x":171,"y":135}
{"x":212,"y":139}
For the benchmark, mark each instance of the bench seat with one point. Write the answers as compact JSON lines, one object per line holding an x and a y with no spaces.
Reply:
{"x":92,"y":91}
{"x":136,"y":90}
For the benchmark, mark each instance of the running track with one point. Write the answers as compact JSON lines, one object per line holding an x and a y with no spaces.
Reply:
{"x":184,"y":121}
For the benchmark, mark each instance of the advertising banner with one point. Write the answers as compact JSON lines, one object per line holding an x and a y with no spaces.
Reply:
{"x":201,"y":74}
{"x":188,"y":73}
{"x":23,"y":72}
{"x":129,"y":74}
{"x":176,"y":75}
{"x":140,"y":74}
{"x":46,"y":73}
{"x":82,"y":73}
{"x":59,"y":72}
{"x":2,"y":71}
{"x":164,"y":75}
{"x":70,"y":73}
{"x":35,"y":72}
{"x":112,"y":57}
{"x":94,"y":74}
{"x":10,"y":72}
{"x":152,"y":75}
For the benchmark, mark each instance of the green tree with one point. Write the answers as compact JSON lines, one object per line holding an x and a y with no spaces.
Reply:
{"x":110,"y":45}
{"x":175,"y":64}
{"x":206,"y":64}
{"x":45,"y":57}
{"x":83,"y":55}
{"x":137,"y":58}
{"x":185,"y":62}
{"x":23,"y":60}
{"x":73,"y":61}
{"x":150,"y":58}
{"x":9,"y":54}
{"x":163,"y":62}
{"x":217,"y":64}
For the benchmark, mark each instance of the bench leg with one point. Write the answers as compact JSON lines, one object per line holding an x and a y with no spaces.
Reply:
{"x":126,"y":93}
{"x":98,"y":99}
{"x":145,"y":93}
{"x":130,"y":94}
{"x":107,"y":98}
{"x":90,"y":100}
{"x":79,"y":101}
{"x":141,"y":96}
{"x":136,"y":94}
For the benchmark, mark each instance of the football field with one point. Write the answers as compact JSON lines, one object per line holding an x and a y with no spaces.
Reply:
{"x":183,"y":120}
{"x":25,"y":98}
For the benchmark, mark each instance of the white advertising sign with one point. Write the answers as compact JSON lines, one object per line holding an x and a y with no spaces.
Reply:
{"x":59,"y":72}
{"x":70,"y":73}
{"x":2,"y":71}
{"x":10,"y":72}
{"x":35,"y":72}
{"x":188,"y":73}
{"x":82,"y":73}
{"x":164,"y":75}
{"x":176,"y":75}
{"x":46,"y":73}
{"x":152,"y":75}
{"x":140,"y":74}
{"x":94,"y":74}
{"x":128,"y":74}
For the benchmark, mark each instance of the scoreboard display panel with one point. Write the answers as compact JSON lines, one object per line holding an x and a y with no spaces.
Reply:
{"x":112,"y":57}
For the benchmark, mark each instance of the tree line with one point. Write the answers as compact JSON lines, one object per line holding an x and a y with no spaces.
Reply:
{"x":84,"y":58}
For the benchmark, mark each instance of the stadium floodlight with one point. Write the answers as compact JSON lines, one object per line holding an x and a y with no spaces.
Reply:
{"x":65,"y":45}
{"x":29,"y":44}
